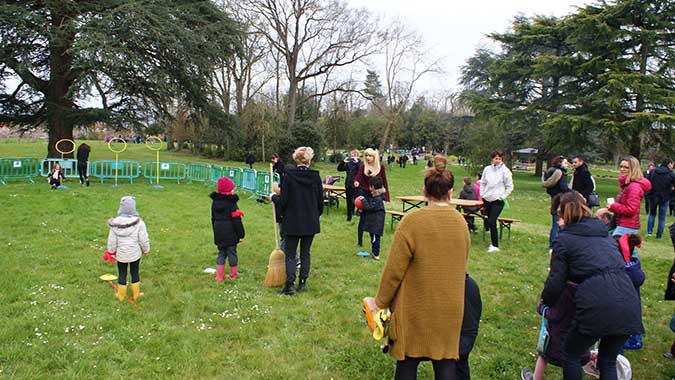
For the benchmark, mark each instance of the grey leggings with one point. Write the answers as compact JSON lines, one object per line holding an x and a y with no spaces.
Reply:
{"x":227,"y":252}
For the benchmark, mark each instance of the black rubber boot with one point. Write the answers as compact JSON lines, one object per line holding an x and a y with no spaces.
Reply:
{"x":302,"y":285}
{"x":288,"y":289}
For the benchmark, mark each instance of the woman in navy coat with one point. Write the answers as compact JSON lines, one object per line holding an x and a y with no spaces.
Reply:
{"x":607,"y":305}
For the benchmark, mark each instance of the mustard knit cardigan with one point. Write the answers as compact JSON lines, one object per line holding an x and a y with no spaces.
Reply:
{"x":423,"y":284}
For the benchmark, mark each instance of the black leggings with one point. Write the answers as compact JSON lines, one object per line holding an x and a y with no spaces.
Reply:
{"x":351,"y":195}
{"x":82,"y":171}
{"x":407,"y":369}
{"x":133,"y":268}
{"x":492,"y":210}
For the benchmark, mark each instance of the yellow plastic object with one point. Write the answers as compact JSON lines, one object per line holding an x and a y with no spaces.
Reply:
{"x":56,"y":146}
{"x":378,"y":321}
{"x":381,"y":321}
{"x":151,"y":143}
{"x":108,"y":277}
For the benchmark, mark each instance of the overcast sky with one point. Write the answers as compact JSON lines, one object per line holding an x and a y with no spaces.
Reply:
{"x":456,"y":28}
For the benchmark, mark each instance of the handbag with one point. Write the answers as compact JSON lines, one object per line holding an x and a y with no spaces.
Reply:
{"x":544,"y":338}
{"x":593,"y":200}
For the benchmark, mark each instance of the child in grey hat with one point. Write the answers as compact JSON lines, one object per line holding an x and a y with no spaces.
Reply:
{"x":128,"y":240}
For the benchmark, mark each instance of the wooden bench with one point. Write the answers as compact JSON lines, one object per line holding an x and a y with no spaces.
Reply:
{"x":504,"y":223}
{"x":395,"y":216}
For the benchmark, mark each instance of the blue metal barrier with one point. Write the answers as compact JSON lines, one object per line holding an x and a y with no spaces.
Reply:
{"x":125,"y":169}
{"x":167,"y":170}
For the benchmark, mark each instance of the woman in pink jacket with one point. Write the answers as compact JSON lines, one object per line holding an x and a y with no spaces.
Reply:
{"x":626,"y":207}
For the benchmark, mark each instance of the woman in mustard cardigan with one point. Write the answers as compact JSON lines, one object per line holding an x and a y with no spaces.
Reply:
{"x":423,"y":281}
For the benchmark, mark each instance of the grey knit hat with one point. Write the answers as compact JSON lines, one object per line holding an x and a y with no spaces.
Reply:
{"x":127,"y":206}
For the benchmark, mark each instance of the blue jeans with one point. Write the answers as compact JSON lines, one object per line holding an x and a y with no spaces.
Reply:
{"x":620,"y":231}
{"x":375,"y":242}
{"x":554,"y":230}
{"x":663,"y":208}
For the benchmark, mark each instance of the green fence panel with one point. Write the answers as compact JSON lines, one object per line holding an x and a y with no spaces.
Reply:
{"x":263,"y":186}
{"x":125,"y":169}
{"x":248,"y":180}
{"x":16,"y":168}
{"x":167,"y":170}
{"x":216,"y":172}
{"x":235,"y":174}
{"x":198,"y":172}
{"x":68,"y":165}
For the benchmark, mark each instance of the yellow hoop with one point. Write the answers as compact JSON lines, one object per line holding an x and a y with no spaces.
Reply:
{"x":56,"y":146}
{"x":124,"y":147}
{"x":149,"y":145}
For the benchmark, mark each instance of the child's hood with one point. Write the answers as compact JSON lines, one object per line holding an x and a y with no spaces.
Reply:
{"x":124,"y":225}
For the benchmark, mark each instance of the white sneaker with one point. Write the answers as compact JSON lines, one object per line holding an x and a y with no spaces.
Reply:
{"x":492,"y":248}
{"x":550,"y":251}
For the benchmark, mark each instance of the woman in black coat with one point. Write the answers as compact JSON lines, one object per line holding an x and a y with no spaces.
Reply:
{"x":300,"y":201}
{"x":607,"y":305}
{"x":351,"y":166}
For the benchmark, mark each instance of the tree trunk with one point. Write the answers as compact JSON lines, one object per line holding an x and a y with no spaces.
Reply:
{"x":636,"y":143}
{"x":292,"y":102}
{"x":385,"y":135}
{"x":59,"y":102}
{"x":58,"y":130}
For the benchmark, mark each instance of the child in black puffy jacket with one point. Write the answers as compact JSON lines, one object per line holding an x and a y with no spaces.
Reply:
{"x":228,"y":229}
{"x":373,"y":214}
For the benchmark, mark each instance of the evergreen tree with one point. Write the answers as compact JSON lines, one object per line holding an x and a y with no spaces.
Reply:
{"x":373,"y":85}
{"x":129,"y":54}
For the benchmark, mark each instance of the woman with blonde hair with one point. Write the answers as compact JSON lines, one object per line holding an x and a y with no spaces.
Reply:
{"x":423,"y":281}
{"x":371,"y":168}
{"x":632,"y":186}
{"x":300,"y":201}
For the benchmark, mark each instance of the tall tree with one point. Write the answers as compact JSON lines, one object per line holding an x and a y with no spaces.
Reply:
{"x":315,"y":38}
{"x":406,"y":62}
{"x":128,"y":54}
{"x":627,"y":75}
{"x":519,"y":89}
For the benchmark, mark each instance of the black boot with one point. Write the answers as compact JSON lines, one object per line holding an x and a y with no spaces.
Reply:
{"x":302,"y":285}
{"x":288,"y":289}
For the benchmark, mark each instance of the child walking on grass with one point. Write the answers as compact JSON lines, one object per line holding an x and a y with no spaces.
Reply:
{"x":373,"y":214}
{"x":128,"y":240}
{"x":228,"y":229}
{"x":559,"y":322}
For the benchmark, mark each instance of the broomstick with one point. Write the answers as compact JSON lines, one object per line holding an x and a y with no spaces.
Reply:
{"x":276,"y":267}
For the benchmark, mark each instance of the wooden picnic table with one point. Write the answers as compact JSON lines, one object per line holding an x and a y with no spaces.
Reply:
{"x":416,"y":201}
{"x":335,"y":191}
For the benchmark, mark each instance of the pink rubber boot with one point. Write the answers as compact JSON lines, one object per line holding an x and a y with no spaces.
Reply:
{"x":233,"y":273}
{"x":220,"y":273}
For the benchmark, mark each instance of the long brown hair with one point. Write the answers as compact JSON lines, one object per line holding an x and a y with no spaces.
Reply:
{"x":573,"y":207}
{"x":437,"y":179}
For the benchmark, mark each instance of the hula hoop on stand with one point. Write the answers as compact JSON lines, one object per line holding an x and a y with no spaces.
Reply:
{"x":117,"y":153}
{"x":151,"y":143}
{"x":56,"y":146}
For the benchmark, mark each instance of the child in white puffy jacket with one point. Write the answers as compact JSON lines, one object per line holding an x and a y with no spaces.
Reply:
{"x":128,"y":240}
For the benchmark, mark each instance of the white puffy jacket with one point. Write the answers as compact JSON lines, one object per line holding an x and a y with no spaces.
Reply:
{"x":128,"y":237}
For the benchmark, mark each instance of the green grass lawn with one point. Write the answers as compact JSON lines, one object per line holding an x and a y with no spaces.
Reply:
{"x":61,"y":322}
